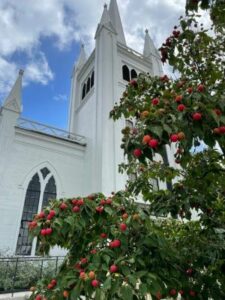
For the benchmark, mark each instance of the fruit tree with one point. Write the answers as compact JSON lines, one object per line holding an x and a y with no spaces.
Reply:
{"x":174,"y":245}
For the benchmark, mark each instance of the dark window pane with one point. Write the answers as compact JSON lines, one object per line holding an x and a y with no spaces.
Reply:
{"x":45,"y":172}
{"x":126,"y":73}
{"x":92,"y":78}
{"x":24,"y":244}
{"x":133,"y":74}
{"x":84,"y":91}
{"x":50,"y":192}
{"x":88,"y":84}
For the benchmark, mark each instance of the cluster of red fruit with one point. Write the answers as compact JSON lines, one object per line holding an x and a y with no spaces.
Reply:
{"x":77,"y":203}
{"x":51,"y":215}
{"x":52,"y":284}
{"x":99,"y":209}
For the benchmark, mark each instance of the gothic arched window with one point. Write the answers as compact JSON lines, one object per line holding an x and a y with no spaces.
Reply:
{"x":41,"y":189}
{"x":133,"y":74}
{"x":92,"y":79}
{"x":84,"y":91}
{"x":126,"y":73}
{"x":24,"y":244}
{"x":50,"y":192}
{"x":88,"y":84}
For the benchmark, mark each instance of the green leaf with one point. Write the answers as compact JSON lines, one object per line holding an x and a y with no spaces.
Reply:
{"x":107,"y":284}
{"x":126,"y":293}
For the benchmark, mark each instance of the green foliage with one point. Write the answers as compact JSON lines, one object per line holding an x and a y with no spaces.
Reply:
{"x":23,"y":274}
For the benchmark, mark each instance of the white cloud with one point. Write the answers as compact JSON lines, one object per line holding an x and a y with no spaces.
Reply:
{"x":38,"y":70}
{"x":61,"y":98}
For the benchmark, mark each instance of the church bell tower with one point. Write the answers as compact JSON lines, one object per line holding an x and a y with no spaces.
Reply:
{"x":97,"y":83}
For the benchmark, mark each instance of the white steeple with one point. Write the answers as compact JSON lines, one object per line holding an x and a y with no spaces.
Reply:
{"x":14,"y":99}
{"x":105,"y":21}
{"x":116,"y":21}
{"x":149,"y":47}
{"x":82,"y":58}
{"x":151,"y":53}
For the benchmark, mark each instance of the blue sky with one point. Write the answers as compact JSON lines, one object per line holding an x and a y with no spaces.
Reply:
{"x":44,"y":37}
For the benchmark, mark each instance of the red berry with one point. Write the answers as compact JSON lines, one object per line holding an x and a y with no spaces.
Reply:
{"x":113,"y":269}
{"x":200,"y":88}
{"x":124,"y":216}
{"x":41,"y":215}
{"x":83,"y":261}
{"x":218,"y":112}
{"x":216,"y":130}
{"x":190,"y":90}
{"x":52,"y":213}
{"x":123,"y":227}
{"x":103,"y":235}
{"x":181,"y":107}
{"x":80,"y":202}
{"x":155,"y":101}
{"x":174,"y":138}
{"x":116,"y":243}
{"x":93,"y":251}
{"x":192,"y":293}
{"x":179,"y":98}
{"x":137,"y":152}
{"x":48,"y":231}
{"x":173,"y":292}
{"x":43,"y":232}
{"x":32,"y":224}
{"x":77,"y":266}
{"x":74,"y":201}
{"x":95,"y":283}
{"x":222,"y":129}
{"x":181,"y":292}
{"x":53,"y":281}
{"x":38,"y":297}
{"x":197,"y":116}
{"x":76,"y":209}
{"x":63,"y":206}
{"x":153,"y":143}
{"x":102,"y":202}
{"x":50,"y":286}
{"x":133,"y":83}
{"x":99,"y":209}
{"x":109,"y":201}
{"x":82,"y":275}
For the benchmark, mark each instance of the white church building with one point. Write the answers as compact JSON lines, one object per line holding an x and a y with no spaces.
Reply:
{"x":39,"y":162}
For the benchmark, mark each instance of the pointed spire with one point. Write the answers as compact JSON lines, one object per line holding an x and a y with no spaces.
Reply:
{"x":14,"y":99}
{"x":149,"y":47}
{"x":105,"y":21}
{"x":116,"y":21}
{"x":82,"y":58}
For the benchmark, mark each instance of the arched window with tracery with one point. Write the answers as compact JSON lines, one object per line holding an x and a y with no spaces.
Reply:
{"x":126,"y":73}
{"x":40,"y":190}
{"x":32,"y":198}
{"x":133,"y":74}
{"x":92,"y":79}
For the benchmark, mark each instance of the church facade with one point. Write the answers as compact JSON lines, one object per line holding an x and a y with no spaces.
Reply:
{"x":38,"y":162}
